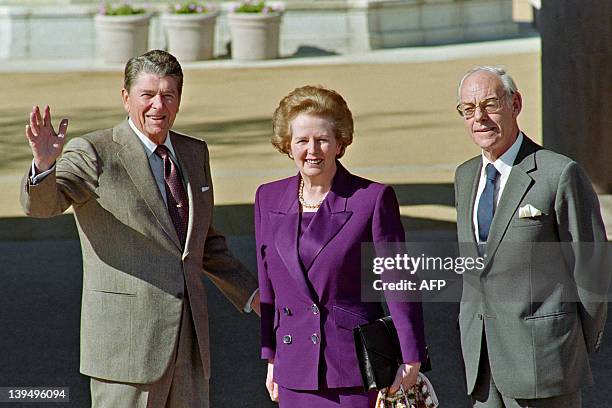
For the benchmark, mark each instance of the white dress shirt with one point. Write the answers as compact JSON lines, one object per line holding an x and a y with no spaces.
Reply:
{"x":503,"y":165}
{"x":156,"y":162}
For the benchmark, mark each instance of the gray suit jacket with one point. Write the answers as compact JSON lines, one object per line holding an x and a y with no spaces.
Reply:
{"x":531,"y":300}
{"x":135,"y":272}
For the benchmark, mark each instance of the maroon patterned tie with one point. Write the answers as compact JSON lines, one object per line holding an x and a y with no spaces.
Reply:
{"x":178,"y":205}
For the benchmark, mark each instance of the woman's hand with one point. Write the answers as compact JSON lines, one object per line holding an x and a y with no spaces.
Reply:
{"x":406,"y":376}
{"x":270,"y":384}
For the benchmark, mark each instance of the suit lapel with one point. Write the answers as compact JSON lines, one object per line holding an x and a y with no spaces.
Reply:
{"x":134,"y":159}
{"x":466,"y":231}
{"x":285,"y":230}
{"x":329,"y":219}
{"x":517,"y":185}
{"x":194,"y":174}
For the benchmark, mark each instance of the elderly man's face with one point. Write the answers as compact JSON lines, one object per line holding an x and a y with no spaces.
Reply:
{"x":493,"y":132}
{"x":152,"y":104}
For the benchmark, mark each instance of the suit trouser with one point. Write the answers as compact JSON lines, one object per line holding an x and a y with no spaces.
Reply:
{"x":486,"y":394}
{"x":183,"y":384}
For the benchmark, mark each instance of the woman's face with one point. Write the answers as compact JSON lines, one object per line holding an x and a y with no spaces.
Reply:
{"x":314,"y":147}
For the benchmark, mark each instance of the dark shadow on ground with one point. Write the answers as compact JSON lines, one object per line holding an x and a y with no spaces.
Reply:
{"x":39,"y":322}
{"x":39,"y":319}
{"x":40,"y":309}
{"x":423,"y":193}
{"x":311,"y":51}
{"x":230,"y":220}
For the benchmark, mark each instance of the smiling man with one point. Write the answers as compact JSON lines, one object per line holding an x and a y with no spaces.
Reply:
{"x":530,"y":317}
{"x":142,"y":197}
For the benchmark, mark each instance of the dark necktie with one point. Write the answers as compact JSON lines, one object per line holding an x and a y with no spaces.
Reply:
{"x":486,"y":205}
{"x":178,"y":205}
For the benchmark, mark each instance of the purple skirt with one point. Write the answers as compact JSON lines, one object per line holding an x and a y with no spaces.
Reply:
{"x":352,"y":397}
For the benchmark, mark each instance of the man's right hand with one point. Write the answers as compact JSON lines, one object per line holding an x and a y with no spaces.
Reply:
{"x":45,"y":143}
{"x":270,"y":384}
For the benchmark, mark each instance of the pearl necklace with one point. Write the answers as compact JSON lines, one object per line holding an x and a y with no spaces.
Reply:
{"x":303,"y":202}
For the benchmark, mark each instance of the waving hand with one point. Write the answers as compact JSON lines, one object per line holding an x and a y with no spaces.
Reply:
{"x":46,"y":144}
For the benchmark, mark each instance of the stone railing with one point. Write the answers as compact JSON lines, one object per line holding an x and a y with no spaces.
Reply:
{"x":64,"y":28}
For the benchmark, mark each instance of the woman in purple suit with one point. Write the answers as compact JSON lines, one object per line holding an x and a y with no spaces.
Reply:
{"x":309,"y":229}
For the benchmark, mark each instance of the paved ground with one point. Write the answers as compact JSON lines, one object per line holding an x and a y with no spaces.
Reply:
{"x":407,"y":130}
{"x":39,"y":315}
{"x":407,"y":134}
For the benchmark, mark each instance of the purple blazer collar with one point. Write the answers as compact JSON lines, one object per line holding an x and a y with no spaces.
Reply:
{"x":334,"y":202}
{"x":328,"y":221}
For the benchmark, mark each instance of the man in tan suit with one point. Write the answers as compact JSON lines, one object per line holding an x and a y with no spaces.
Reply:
{"x":142,"y":197}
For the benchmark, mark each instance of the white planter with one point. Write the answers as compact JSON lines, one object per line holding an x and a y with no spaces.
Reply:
{"x":190,"y":37}
{"x":119,"y":38}
{"x":255,"y":36}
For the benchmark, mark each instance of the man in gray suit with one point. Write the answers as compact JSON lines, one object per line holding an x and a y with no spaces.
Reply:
{"x":142,"y":197}
{"x":530,"y":317}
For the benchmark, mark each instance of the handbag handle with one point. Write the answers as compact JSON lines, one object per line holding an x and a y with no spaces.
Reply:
{"x":405,"y":396}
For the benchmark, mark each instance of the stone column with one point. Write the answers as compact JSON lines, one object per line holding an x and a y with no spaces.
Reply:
{"x":577,"y":84}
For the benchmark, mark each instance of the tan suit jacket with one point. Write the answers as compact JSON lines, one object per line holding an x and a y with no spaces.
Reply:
{"x":134,"y":270}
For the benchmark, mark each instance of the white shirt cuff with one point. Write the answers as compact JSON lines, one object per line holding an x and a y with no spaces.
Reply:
{"x":247,"y":308}
{"x":35,"y":178}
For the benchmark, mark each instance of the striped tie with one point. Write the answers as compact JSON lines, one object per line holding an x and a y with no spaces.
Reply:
{"x":178,"y":204}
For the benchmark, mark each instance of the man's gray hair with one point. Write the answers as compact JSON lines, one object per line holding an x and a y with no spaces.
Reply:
{"x":156,"y":62}
{"x":507,"y":81}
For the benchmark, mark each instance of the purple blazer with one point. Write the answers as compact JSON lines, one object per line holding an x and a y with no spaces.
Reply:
{"x":308,"y":321}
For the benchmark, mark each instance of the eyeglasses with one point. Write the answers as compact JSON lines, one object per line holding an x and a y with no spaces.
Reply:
{"x":489,"y":105}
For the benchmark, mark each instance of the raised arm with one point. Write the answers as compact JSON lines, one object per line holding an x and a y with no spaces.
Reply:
{"x":58,"y":180}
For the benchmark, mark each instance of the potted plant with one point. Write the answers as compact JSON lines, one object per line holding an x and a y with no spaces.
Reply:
{"x":122,"y":31}
{"x":190,"y":28}
{"x":254,"y":27}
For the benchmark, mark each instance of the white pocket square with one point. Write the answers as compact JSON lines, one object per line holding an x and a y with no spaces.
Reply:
{"x":205,"y":188}
{"x":529,"y":211}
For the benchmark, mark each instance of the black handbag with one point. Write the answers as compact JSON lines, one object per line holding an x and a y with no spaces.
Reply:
{"x":379,"y":354}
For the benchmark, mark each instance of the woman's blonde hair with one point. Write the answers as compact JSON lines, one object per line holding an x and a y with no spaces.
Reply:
{"x":317,"y":101}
